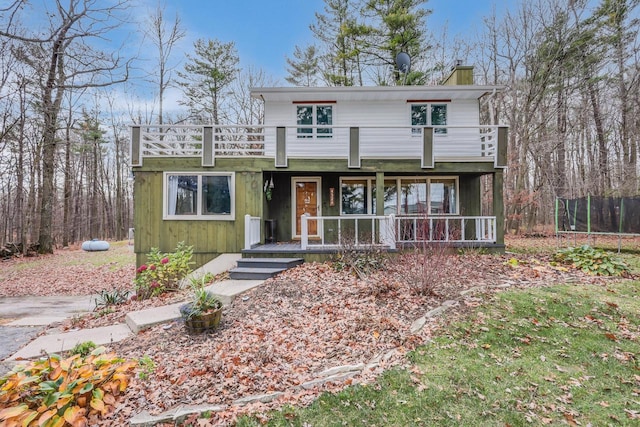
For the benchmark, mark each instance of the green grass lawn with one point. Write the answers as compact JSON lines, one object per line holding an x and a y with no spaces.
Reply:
{"x":562,"y":355}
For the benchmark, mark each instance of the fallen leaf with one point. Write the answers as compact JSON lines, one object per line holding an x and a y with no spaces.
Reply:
{"x":611,"y":336}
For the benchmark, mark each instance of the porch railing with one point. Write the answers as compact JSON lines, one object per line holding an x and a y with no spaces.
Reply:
{"x":459,"y":143}
{"x":359,"y":231}
{"x":367,"y":231}
{"x":420,"y":229}
{"x":251,"y":231}
{"x":348,"y":231}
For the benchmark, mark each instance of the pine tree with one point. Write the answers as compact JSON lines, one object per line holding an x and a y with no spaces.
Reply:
{"x":303,"y":69}
{"x":339,"y":34}
{"x":395,"y":26}
{"x":207,"y":77}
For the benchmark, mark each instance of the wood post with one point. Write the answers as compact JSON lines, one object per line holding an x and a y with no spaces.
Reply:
{"x":136,"y":152}
{"x":354,"y":147}
{"x":281,"y":147}
{"x":428,"y":160}
{"x":208,"y":151}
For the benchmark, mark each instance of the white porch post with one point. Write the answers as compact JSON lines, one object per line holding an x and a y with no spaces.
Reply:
{"x":388,"y":231}
{"x":247,"y":231}
{"x":304,"y":232}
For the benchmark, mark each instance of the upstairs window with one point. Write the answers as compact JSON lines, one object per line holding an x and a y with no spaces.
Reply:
{"x":428,"y":115}
{"x":314,"y":115}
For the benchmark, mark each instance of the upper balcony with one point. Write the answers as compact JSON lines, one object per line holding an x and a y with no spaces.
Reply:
{"x":353,"y":144}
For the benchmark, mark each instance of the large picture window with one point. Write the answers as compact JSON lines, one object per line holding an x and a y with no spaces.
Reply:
{"x":402,"y":196}
{"x":428,"y":115}
{"x":358,"y":196}
{"x":421,"y":196}
{"x":314,"y":115}
{"x":199,"y":196}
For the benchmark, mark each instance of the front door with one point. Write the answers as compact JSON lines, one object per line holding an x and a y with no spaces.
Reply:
{"x":306,"y":200}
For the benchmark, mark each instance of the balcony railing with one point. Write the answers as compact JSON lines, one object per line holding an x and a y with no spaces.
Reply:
{"x":459,"y":143}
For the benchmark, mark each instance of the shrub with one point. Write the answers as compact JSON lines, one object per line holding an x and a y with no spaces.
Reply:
{"x":429,"y":265}
{"x":54,"y":391}
{"x":362,"y":259}
{"x":163,"y":272}
{"x":592,"y":261}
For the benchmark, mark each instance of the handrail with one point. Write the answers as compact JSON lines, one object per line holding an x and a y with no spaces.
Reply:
{"x":252,"y":231}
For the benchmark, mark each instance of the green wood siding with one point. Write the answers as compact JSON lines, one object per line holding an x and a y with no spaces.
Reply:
{"x":208,"y":237}
{"x":211,"y":238}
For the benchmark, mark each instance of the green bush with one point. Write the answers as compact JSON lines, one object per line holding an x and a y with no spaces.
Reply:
{"x":592,"y":261}
{"x":163,"y":271}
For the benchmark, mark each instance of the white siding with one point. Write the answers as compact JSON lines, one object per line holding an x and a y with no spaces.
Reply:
{"x":384,"y":131}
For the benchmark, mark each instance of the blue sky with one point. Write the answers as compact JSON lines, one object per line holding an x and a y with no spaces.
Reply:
{"x":266,"y":31}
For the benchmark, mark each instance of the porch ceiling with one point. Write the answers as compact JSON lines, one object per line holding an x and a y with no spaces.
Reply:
{"x":372,"y":93}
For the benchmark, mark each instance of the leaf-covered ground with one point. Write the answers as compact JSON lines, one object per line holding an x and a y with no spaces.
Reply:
{"x":68,"y":272}
{"x":285,"y":332}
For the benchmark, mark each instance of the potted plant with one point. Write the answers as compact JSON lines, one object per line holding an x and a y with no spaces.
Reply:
{"x":203,"y":312}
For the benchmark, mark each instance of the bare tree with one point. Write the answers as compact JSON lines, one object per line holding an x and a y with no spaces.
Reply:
{"x":164,"y":36}
{"x":65,"y":59}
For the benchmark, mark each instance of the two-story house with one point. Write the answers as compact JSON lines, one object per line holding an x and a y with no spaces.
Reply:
{"x":330,"y":166}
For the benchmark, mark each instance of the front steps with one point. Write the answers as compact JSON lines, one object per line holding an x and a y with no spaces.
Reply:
{"x":262,"y":268}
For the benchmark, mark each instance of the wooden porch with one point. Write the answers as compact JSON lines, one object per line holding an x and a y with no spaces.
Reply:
{"x":384,"y":233}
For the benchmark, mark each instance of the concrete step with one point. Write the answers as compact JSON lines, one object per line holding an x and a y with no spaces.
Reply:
{"x":269,"y":262}
{"x":251,"y":273}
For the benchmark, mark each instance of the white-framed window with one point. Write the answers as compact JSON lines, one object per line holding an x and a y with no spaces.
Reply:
{"x":421,"y":196}
{"x":428,"y":115}
{"x":314,"y":115}
{"x":199,"y":195}
{"x":357,"y":196}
